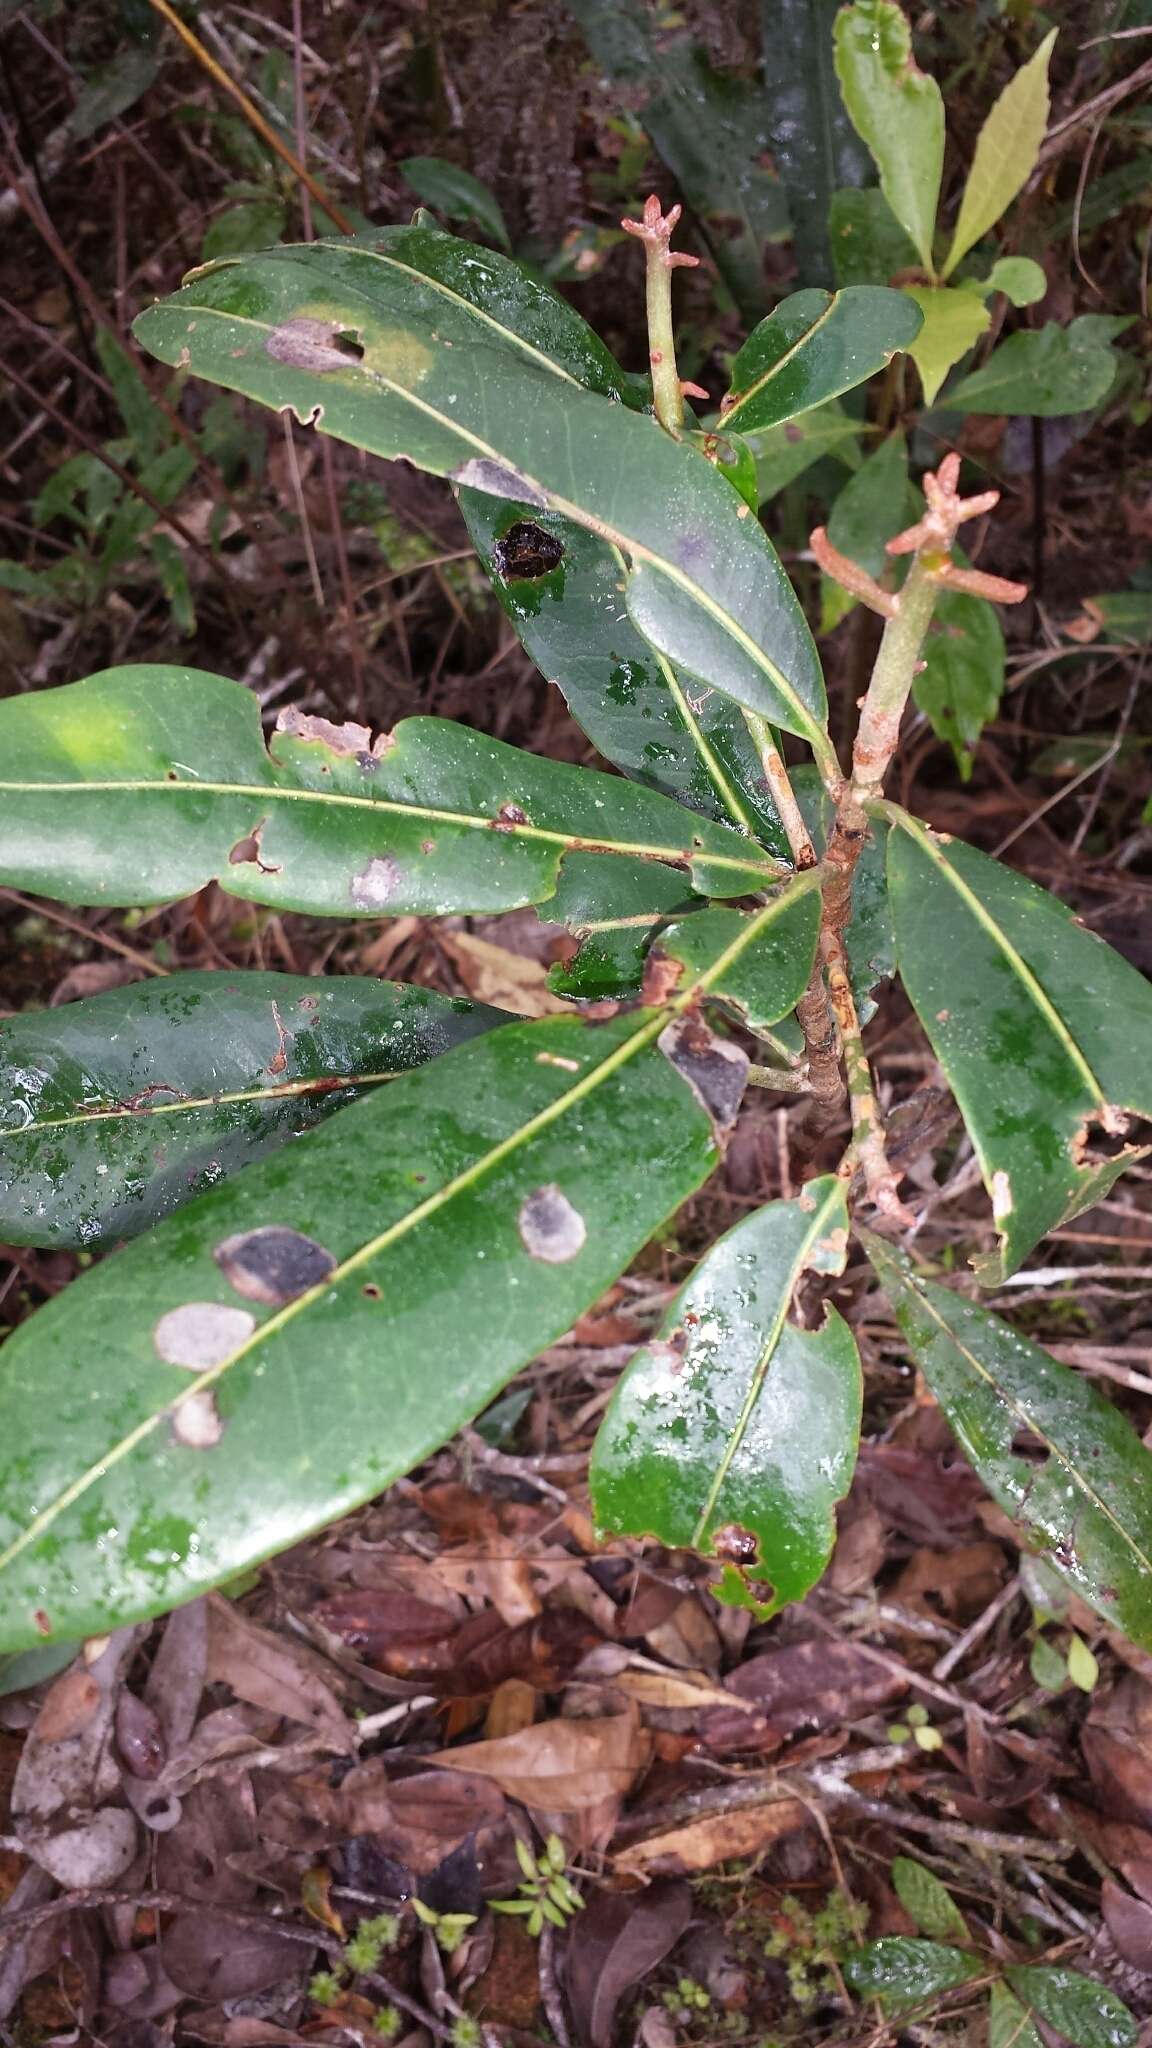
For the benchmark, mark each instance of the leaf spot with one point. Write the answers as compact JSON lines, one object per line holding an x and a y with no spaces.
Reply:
{"x":526,"y":552}
{"x":306,"y":344}
{"x":248,"y":849}
{"x":196,"y":1421}
{"x":201,"y":1334}
{"x":550,"y":1228}
{"x":1002,"y":1202}
{"x":715,"y":1069}
{"x":377,"y":883}
{"x":734,"y":1544}
{"x":273,"y":1264}
{"x":480,"y":473}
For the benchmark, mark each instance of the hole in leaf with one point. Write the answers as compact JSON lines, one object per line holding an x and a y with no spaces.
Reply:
{"x":526,"y":552}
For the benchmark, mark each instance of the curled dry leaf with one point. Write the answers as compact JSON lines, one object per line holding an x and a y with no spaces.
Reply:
{"x":614,"y":1944}
{"x":717,"y":1838}
{"x":270,"y":1671}
{"x":561,"y":1767}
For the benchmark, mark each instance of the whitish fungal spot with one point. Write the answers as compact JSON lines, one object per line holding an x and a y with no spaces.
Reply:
{"x":196,"y":1421}
{"x":201,"y":1334}
{"x":273,"y":1264}
{"x":714,"y":1068}
{"x":550,"y":1228}
{"x":1001,"y":1197}
{"x":482,"y":474}
{"x":313,"y":345}
{"x":375,"y":886}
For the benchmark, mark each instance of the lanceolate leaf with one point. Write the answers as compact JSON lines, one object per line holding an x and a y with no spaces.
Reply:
{"x":1006,"y":151}
{"x":354,"y":343}
{"x":896,"y":109}
{"x":690,"y":742}
{"x":165,"y":782}
{"x":812,"y":141}
{"x":291,"y":1342}
{"x":117,"y":1110}
{"x":929,"y":1902}
{"x":1041,"y":1029}
{"x":734,"y":1431}
{"x":1050,"y":1449}
{"x":456,"y":193}
{"x":1008,"y":2023}
{"x":814,"y":346}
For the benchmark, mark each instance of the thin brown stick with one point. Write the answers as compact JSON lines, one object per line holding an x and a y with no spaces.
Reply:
{"x":73,"y":924}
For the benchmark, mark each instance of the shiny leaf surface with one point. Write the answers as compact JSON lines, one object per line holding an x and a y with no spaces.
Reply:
{"x":166,"y":784}
{"x":1085,"y":1498}
{"x":1006,"y":151}
{"x":929,"y":1902}
{"x":869,"y":246}
{"x":734,"y":1431}
{"x":613,"y":907}
{"x":1079,"y":2007}
{"x":455,"y":193}
{"x":1041,"y":1028}
{"x":785,"y":452}
{"x":116,"y":1110}
{"x":903,"y":1972}
{"x":371,"y":354}
{"x":767,"y":980}
{"x":812,"y":141}
{"x":814,"y":346}
{"x":896,"y":110}
{"x":960,"y":685}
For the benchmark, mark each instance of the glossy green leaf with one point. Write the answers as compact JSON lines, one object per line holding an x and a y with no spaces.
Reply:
{"x":1079,"y":2007}
{"x":1008,"y":2023}
{"x":1084,"y":1497}
{"x":813,"y":145}
{"x":896,"y":110}
{"x":783,"y":453}
{"x":954,"y":320}
{"x":734,"y":1432}
{"x":1043,"y":372}
{"x":869,"y":246}
{"x":1041,"y":1029}
{"x":116,"y":1110}
{"x":456,"y":194}
{"x":814,"y":346}
{"x":767,"y":980}
{"x":1006,"y":151}
{"x":166,"y":784}
{"x":691,"y":743}
{"x":960,"y":685}
{"x":291,"y":1342}
{"x":613,"y":907}
{"x":377,"y":355}
{"x":903,"y":1972}
{"x":929,"y":1903}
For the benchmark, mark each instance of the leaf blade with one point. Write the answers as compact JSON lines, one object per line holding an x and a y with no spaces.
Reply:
{"x":902,"y":1972}
{"x":896,"y":110}
{"x":814,"y":346}
{"x":1006,"y":151}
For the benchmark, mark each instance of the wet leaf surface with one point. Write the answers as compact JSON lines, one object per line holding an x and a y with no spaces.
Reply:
{"x":904,"y":1973}
{"x":814,"y":346}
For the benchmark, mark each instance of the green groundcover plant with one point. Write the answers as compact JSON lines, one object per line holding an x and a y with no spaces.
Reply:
{"x":294,"y":1325}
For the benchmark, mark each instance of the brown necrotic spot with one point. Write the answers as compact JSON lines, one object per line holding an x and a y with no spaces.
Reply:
{"x":376,"y":884}
{"x":196,"y":1422}
{"x":550,"y":1228}
{"x":201,"y":1334}
{"x":714,"y":1068}
{"x":526,"y":551}
{"x":306,"y":344}
{"x":273,"y":1264}
{"x":736,"y":1545}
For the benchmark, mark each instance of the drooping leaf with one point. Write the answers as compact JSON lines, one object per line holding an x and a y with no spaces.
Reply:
{"x":1044,"y":372}
{"x":814,"y":346}
{"x":812,"y":142}
{"x":734,"y":1431}
{"x":903,"y":1972}
{"x":456,"y":194}
{"x":783,"y":453}
{"x":1008,"y":2023}
{"x":613,"y":907}
{"x":1085,"y":1497}
{"x":691,"y":743}
{"x":1079,"y":2007}
{"x":954,"y":320}
{"x":929,"y":1902}
{"x":166,"y":784}
{"x":897,"y":110}
{"x":1006,"y":151}
{"x":1040,"y":1027}
{"x":712,"y":129}
{"x":960,"y":685}
{"x":294,"y":1340}
{"x":116,"y":1110}
{"x":869,"y":246}
{"x":377,"y":355}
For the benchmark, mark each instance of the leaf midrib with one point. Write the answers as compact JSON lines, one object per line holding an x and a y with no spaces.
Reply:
{"x":318,"y":1084}
{"x":779,"y":366}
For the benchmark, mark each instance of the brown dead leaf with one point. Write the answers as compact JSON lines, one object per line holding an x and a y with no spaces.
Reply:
{"x":271,"y":1671}
{"x":616,"y":1942}
{"x":69,"y":1774}
{"x":959,"y":1582}
{"x":370,"y":1621}
{"x":676,"y":1691}
{"x":1117,"y":1744}
{"x":1129,"y":1922}
{"x":93,"y":978}
{"x":511,"y":1708}
{"x":717,"y":1838}
{"x":815,"y":1685}
{"x":508,"y":981}
{"x":560,"y":1766}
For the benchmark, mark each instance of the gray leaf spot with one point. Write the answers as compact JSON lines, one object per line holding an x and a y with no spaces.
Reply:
{"x":196,"y":1421}
{"x":201,"y":1334}
{"x":550,"y":1228}
{"x":273,"y":1264}
{"x":482,"y":474}
{"x":714,"y":1068}
{"x":376,"y":884}
{"x":313,"y":345}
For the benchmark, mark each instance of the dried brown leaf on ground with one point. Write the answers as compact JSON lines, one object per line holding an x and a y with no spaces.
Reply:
{"x":614,"y":1945}
{"x":561,"y":1766}
{"x":713,"y":1839}
{"x":271,"y":1671}
{"x":67,"y":1804}
{"x":509,"y":981}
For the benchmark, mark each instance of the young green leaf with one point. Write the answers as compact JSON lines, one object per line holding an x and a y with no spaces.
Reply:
{"x":812,"y":142}
{"x":1045,"y":372}
{"x":1085,"y":1498}
{"x":1008,"y":2023}
{"x":1079,"y":2007}
{"x":166,"y":784}
{"x":812,"y":347}
{"x":896,"y":110}
{"x":903,"y":1972}
{"x":1006,"y":151}
{"x":953,"y":323}
{"x":456,"y":194}
{"x":1047,"y":1666}
{"x":764,"y":982}
{"x":613,"y":907}
{"x":1041,"y":1029}
{"x":734,"y":1431}
{"x":1018,"y":277}
{"x":366,"y":350}
{"x":929,"y":1903}
{"x":960,"y":684}
{"x":1083,"y":1669}
{"x":116,"y":1110}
